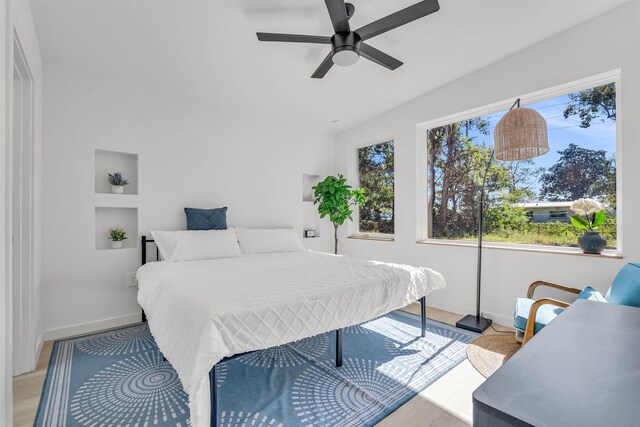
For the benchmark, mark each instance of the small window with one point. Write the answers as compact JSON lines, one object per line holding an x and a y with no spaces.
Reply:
{"x":376,"y":176}
{"x":558,"y":214}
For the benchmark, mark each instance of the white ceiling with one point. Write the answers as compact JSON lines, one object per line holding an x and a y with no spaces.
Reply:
{"x":207,"y":49}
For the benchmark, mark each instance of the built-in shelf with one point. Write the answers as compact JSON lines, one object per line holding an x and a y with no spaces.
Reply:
{"x":310,"y":216}
{"x":116,"y":217}
{"x":308,"y":182}
{"x":115,"y":161}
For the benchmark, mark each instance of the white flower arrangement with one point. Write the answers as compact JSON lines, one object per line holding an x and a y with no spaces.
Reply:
{"x":586,"y":206}
{"x":590,"y":214}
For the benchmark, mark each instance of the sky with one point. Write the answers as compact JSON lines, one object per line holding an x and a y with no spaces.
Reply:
{"x":599,"y":136}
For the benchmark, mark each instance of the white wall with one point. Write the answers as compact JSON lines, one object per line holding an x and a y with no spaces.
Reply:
{"x":189,"y":155}
{"x":609,"y":42}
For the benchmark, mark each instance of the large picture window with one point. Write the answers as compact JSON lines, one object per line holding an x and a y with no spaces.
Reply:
{"x":527,"y":202}
{"x":376,"y":176}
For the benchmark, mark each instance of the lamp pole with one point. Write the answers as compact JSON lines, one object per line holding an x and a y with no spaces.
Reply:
{"x":470,"y":322}
{"x":480,"y":231}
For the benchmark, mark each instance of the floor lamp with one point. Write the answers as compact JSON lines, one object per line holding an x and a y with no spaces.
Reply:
{"x":520,"y":134}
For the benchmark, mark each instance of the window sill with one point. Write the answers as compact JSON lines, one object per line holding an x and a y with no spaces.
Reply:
{"x":371,"y":237}
{"x":608,"y":253}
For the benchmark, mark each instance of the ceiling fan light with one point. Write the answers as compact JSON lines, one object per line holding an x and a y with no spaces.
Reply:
{"x":345,"y":57}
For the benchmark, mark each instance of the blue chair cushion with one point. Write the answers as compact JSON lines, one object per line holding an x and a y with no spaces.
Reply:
{"x":206,"y":219}
{"x":591,"y":294}
{"x":546,"y":313}
{"x":625,"y":288}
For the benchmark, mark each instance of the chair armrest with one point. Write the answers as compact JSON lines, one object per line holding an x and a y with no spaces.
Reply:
{"x":531,"y":321}
{"x":534,"y":285}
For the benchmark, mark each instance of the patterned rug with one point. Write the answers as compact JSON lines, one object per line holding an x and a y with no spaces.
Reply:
{"x":119,"y":378}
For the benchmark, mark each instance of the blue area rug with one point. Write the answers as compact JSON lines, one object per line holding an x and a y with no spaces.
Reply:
{"x":118,"y":378}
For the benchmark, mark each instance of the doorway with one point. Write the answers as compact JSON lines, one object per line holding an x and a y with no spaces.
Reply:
{"x":21,"y":212}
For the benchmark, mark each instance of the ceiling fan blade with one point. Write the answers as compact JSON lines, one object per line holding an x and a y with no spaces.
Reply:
{"x":379,"y":57}
{"x":326,"y":65}
{"x":404,"y":16}
{"x":338,"y":14}
{"x":293,"y":38}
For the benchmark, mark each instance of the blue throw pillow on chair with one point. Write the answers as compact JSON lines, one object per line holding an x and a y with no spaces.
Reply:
{"x":591,"y":294}
{"x":206,"y":219}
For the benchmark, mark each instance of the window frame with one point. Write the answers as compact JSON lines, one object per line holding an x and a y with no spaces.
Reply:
{"x":353,"y":176}
{"x":614,"y":76}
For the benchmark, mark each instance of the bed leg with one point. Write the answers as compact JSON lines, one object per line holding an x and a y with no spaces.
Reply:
{"x":423,"y":315}
{"x":213,"y":397}
{"x":144,"y":317}
{"x":338,"y":348}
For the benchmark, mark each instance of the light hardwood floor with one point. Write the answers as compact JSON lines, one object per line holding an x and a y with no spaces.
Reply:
{"x":447,"y":402}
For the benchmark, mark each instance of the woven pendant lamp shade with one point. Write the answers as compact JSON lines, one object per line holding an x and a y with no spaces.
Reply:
{"x":520,"y":134}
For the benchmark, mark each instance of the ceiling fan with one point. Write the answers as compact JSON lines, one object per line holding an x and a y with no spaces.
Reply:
{"x":347,"y":45}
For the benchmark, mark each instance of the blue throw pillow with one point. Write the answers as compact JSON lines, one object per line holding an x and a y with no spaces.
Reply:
{"x":206,"y":219}
{"x":591,"y":294}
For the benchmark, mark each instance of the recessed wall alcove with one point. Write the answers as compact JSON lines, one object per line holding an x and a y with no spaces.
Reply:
{"x":116,"y":217}
{"x":310,"y":215}
{"x":114,"y":161}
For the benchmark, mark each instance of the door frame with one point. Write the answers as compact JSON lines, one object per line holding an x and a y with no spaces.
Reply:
{"x":21,"y":227}
{"x":6,"y":301}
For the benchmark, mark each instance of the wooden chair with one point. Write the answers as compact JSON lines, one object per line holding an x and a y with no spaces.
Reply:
{"x":530,"y":329}
{"x":532,"y":315}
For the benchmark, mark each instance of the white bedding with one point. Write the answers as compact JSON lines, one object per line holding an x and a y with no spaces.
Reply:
{"x":202,"y":311}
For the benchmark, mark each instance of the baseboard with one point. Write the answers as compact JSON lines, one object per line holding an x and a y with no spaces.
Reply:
{"x":88,"y":327}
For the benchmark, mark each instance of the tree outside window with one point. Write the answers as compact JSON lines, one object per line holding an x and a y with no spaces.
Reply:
{"x":523,"y":198}
{"x":376,"y":177}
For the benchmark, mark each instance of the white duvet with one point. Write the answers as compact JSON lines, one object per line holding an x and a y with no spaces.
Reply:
{"x":202,"y":311}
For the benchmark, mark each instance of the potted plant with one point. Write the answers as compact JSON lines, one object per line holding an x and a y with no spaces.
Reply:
{"x":590,"y":216}
{"x":117,"y":237}
{"x":117,"y":182}
{"x":334,"y":198}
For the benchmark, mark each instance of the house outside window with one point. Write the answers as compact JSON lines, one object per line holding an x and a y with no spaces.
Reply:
{"x":527,"y":202}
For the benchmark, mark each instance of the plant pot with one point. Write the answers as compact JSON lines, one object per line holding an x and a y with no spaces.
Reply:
{"x":592,"y":242}
{"x":117,"y":189}
{"x":117,"y":244}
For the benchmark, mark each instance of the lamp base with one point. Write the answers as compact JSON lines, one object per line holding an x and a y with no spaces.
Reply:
{"x":473,"y":323}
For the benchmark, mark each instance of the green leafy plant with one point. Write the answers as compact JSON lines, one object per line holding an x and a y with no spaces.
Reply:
{"x":335,"y":198}
{"x":590,"y":214}
{"x":117,"y":234}
{"x":117,"y":179}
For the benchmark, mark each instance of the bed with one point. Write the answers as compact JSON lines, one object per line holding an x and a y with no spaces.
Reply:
{"x":203,"y":312}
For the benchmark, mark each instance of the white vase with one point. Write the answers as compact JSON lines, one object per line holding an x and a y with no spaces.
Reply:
{"x":117,"y":189}
{"x":117,"y":244}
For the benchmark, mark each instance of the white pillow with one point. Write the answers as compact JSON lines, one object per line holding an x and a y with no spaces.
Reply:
{"x":262,"y":240}
{"x":197,"y":245}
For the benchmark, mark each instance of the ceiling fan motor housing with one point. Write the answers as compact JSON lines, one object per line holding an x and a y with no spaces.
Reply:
{"x":346,"y":48}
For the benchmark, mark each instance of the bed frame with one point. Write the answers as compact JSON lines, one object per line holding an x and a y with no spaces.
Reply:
{"x":212,"y":372}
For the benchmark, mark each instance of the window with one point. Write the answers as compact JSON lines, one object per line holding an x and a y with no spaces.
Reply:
{"x":581,"y":163}
{"x":376,"y":176}
{"x":558,"y":214}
